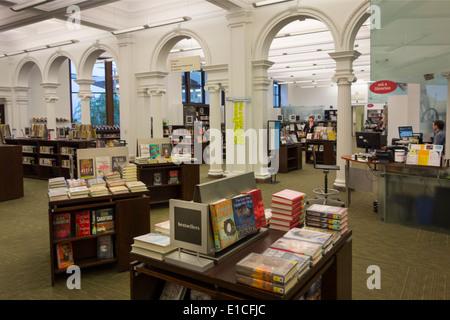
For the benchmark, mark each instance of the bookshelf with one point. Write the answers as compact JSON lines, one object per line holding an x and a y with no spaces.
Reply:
{"x":163,"y":190}
{"x":131,"y":213}
{"x":44,"y":159}
{"x":11,"y":173}
{"x":325,"y":151}
{"x":290,"y":157}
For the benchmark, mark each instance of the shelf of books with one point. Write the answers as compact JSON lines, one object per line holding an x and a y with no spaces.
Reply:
{"x":44,"y":159}
{"x":325,"y":151}
{"x":87,"y":228}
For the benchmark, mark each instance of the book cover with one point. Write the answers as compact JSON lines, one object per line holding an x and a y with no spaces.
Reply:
{"x":244,"y":215}
{"x":64,"y":255}
{"x":144,"y":150}
{"x":258,"y":204}
{"x":104,"y":220}
{"x":223,"y":223}
{"x":337,"y":227}
{"x":154,"y":150}
{"x":157,"y":179}
{"x":118,"y":162}
{"x":105,"y":248}
{"x":166,"y":150}
{"x":311,"y":249}
{"x":173,"y":177}
{"x":61,"y":226}
{"x":327,"y":220}
{"x":86,"y":168}
{"x":82,"y":223}
{"x":163,"y":227}
{"x":154,"y":241}
{"x":302,"y":261}
{"x":173,"y":291}
{"x":267,"y":268}
{"x":102,"y":165}
{"x":322,"y":210}
{"x":308,"y":235}
{"x":288,"y":196}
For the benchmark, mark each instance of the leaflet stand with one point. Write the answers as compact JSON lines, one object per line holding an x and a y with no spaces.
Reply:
{"x":189,"y":261}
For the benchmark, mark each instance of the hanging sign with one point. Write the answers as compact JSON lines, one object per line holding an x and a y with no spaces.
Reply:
{"x":184,"y":64}
{"x":384,"y":86}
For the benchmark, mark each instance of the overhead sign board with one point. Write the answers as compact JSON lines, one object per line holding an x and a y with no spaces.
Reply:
{"x":384,"y":86}
{"x":184,"y":64}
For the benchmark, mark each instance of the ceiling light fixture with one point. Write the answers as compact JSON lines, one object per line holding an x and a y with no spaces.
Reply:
{"x":62,"y":43}
{"x":53,"y":45}
{"x":14,"y":53}
{"x":29,"y":4}
{"x":263,"y":3}
{"x":152,"y":25}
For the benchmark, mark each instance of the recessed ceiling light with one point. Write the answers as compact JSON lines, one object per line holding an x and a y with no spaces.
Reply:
{"x":263,"y":3}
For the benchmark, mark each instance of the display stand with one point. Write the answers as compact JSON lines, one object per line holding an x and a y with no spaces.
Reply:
{"x":189,"y":261}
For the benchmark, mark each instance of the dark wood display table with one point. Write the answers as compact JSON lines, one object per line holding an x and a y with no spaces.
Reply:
{"x":11,"y":172}
{"x":147,"y":276}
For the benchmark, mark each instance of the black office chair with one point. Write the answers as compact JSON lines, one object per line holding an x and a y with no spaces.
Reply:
{"x":325,"y":193}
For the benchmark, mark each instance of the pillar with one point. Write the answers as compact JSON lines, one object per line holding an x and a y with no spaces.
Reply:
{"x":156,"y":93}
{"x":344,"y":77}
{"x":50,"y":99}
{"x":85,"y":95}
{"x":447,"y":120}
{"x":19,"y":112}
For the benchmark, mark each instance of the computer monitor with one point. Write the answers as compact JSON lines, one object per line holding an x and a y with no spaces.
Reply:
{"x":370,"y":140}
{"x":405,"y":132}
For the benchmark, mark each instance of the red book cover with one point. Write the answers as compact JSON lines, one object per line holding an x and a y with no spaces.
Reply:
{"x":288,"y":196}
{"x":285,"y":208}
{"x":61,"y":226}
{"x":83,"y":223}
{"x":258,"y":204}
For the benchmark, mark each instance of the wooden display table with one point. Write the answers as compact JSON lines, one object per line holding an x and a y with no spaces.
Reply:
{"x":147,"y":276}
{"x":11,"y":172}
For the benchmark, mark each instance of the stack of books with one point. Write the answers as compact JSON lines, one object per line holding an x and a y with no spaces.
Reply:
{"x":136,"y":186}
{"x":287,"y":209}
{"x":141,"y":160}
{"x":324,"y":239}
{"x":56,"y":194}
{"x":98,"y":190}
{"x":269,"y":273}
{"x":327,"y":217}
{"x":129,"y":172}
{"x":303,"y":262}
{"x":78,"y":192}
{"x":112,"y":175}
{"x":152,"y":245}
{"x":72,"y":183}
{"x":163,"y":228}
{"x":310,"y":249}
{"x":58,"y":182}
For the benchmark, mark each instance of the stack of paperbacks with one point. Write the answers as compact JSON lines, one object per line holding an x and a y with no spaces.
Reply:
{"x":287,"y":209}
{"x":232,"y":219}
{"x":269,"y":273}
{"x":129,"y":172}
{"x":57,"y":189}
{"x":136,"y":186}
{"x":327,"y":217}
{"x":78,"y":192}
{"x":152,"y":245}
{"x":97,"y":187}
{"x":163,"y":227}
{"x":115,"y":183}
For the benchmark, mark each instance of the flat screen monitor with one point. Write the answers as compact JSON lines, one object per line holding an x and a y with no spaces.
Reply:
{"x":189,"y":226}
{"x":405,"y":132}
{"x":370,"y":140}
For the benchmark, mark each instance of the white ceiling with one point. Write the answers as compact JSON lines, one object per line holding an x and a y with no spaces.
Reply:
{"x":296,"y":57}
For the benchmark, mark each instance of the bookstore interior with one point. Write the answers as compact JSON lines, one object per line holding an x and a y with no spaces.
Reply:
{"x":210,"y":169}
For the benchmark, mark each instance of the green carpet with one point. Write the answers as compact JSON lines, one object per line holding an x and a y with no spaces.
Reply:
{"x":413,"y":263}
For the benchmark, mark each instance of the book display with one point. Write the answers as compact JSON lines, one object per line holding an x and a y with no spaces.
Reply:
{"x":325,"y":151}
{"x":287,"y":209}
{"x":93,"y":230}
{"x":153,"y":245}
{"x":44,"y":159}
{"x":327,"y":217}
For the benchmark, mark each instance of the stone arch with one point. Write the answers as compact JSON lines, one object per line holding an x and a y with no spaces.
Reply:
{"x":274,"y":25}
{"x":167,"y":42}
{"x":357,"y":19}
{"x":23,"y":69}
{"x":53,"y":65}
{"x":90,"y":56}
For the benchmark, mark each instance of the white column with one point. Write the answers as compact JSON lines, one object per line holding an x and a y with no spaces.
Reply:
{"x":50,"y":99}
{"x":447,"y":120}
{"x":259,"y":119}
{"x":85,"y":94}
{"x":156,"y":94}
{"x":143,"y":115}
{"x":20,"y":118}
{"x":344,"y":77}
{"x":215,"y":138}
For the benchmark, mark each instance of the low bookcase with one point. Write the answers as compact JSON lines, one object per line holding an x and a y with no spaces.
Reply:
{"x":131,"y":212}
{"x":163,"y":186}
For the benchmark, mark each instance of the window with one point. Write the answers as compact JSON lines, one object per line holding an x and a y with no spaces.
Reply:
{"x":105,"y":101}
{"x":276,"y":95}
{"x":192,"y":83}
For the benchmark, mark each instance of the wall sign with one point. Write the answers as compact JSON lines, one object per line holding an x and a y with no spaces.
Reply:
{"x":384,"y":86}
{"x":184,"y":64}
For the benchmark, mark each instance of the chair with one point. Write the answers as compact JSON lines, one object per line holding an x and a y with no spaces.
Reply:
{"x":325,"y":193}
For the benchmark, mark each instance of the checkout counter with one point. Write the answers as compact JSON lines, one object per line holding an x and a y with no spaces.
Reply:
{"x":408,"y":194}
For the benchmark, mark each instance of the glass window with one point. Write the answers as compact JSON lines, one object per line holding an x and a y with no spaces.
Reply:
{"x":276,"y":95}
{"x":193,"y":83}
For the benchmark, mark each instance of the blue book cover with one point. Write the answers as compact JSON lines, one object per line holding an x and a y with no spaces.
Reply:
{"x":244,"y":215}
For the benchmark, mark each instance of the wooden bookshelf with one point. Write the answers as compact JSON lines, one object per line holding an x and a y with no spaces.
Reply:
{"x":188,"y":178}
{"x":11,"y":173}
{"x":44,"y":159}
{"x":131,"y":219}
{"x":325,"y":151}
{"x":290,"y":157}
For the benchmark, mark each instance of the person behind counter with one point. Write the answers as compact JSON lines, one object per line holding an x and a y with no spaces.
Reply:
{"x":439,"y":133}
{"x":309,"y":127}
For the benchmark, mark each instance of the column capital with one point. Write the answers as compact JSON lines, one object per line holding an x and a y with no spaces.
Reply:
{"x":156,"y":91}
{"x":85,"y":95}
{"x":84,"y":81}
{"x":213,"y":87}
{"x":351,"y":55}
{"x":50,"y":98}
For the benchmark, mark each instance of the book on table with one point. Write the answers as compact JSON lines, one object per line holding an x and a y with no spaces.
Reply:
{"x":288,"y":196}
{"x":322,"y":210}
{"x":322,"y":238}
{"x":303,"y":262}
{"x":267,"y":268}
{"x":244,"y":215}
{"x":258,"y":206}
{"x":223,"y":223}
{"x":163,"y":227}
{"x":155,"y":242}
{"x":266,"y":285}
{"x":310,"y":249}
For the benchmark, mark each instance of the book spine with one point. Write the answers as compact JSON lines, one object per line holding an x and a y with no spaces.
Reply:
{"x":256,"y":273}
{"x":215,"y":226}
{"x":260,"y":284}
